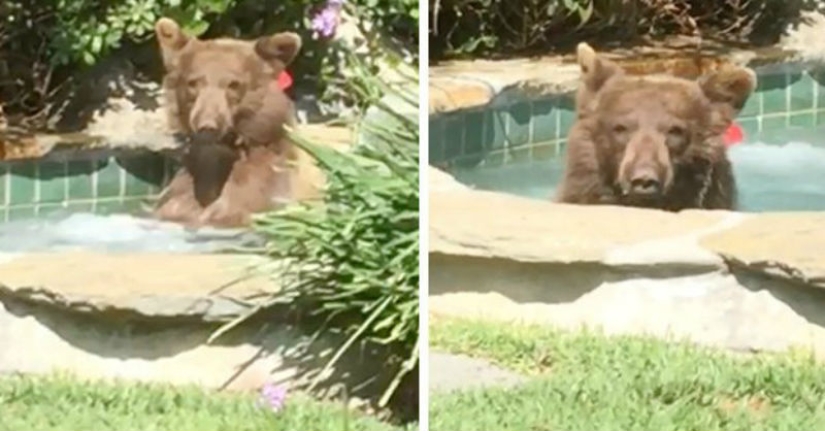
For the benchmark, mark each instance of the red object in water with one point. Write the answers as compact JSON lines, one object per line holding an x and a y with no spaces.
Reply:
{"x":733,"y":136}
{"x":284,"y":80}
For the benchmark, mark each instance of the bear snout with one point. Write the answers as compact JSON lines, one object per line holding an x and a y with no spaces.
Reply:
{"x":211,"y":112}
{"x":645,"y":170}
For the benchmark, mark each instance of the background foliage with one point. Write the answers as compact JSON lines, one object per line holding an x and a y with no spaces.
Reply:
{"x":497,"y":27}
{"x":45,"y":44}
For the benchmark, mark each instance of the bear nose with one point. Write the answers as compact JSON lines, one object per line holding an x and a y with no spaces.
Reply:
{"x":645,"y":184}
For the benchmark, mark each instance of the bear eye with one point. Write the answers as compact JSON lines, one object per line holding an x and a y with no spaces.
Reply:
{"x":234,"y":85}
{"x":676,"y":132}
{"x":193,"y":84}
{"x":619,"y":128}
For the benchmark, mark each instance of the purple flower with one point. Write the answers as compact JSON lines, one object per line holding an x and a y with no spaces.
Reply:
{"x":326,"y":22}
{"x":273,"y":396}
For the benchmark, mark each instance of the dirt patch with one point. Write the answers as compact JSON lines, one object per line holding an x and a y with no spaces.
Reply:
{"x":755,"y":405}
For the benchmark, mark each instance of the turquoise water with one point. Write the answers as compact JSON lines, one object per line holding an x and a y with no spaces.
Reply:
{"x":770,"y":177}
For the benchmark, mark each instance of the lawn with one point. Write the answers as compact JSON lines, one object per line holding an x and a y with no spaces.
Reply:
{"x":587,"y":381}
{"x":61,"y":403}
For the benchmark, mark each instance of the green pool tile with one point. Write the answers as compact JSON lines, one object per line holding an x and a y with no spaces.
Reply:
{"x":21,"y":213}
{"x":518,"y":124}
{"x":496,"y":121}
{"x":136,"y":186}
{"x":147,"y":168}
{"x":474,"y":133}
{"x":52,"y":181}
{"x":820,"y":118}
{"x":78,"y":207}
{"x":108,"y":206}
{"x":807,"y":119}
{"x":135,"y":206}
{"x":453,"y":135}
{"x":45,"y":210}
{"x":468,"y":162}
{"x":774,"y":97}
{"x":80,"y":179}
{"x":51,"y":169}
{"x":544,"y":121}
{"x":772,"y":124}
{"x":4,"y":177}
{"x":545,"y":151}
{"x":750,"y":126}
{"x":751,"y":108}
{"x":143,"y":173}
{"x":436,"y":143}
{"x":561,"y":147}
{"x":802,"y":92}
{"x":819,"y":81}
{"x":519,"y":154}
{"x":39,"y":188}
{"x":108,"y":179}
{"x":566,"y":119}
{"x":23,"y":183}
{"x":495,"y":158}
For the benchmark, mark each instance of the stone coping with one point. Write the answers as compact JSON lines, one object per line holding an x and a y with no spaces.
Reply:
{"x":503,"y":226}
{"x":456,"y":85}
{"x":209,"y":287}
{"x":150,"y":134}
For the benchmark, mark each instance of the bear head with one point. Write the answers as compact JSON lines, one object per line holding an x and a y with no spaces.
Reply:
{"x":647,"y":128}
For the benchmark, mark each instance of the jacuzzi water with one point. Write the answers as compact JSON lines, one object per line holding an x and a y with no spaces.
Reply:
{"x":116,"y":233}
{"x":770,"y":177}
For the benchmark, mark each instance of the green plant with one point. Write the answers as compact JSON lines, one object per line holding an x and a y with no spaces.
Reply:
{"x":587,"y":380}
{"x":352,"y":260}
{"x":498,"y":27}
{"x":65,"y":402}
{"x":46,"y":45}
{"x":85,"y":31}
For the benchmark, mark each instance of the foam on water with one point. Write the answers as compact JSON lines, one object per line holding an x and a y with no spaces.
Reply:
{"x":115,"y":233}
{"x":789,"y":177}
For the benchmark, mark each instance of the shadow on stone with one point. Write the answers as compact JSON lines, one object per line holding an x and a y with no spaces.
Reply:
{"x":806,"y":301}
{"x":540,"y":282}
{"x":151,"y":167}
{"x":275,"y":346}
{"x":90,"y":93}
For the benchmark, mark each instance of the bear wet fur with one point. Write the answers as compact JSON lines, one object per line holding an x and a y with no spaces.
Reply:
{"x":652,"y":141}
{"x":223,"y":89}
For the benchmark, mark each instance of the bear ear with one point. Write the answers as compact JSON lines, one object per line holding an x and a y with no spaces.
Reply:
{"x":171,"y":40}
{"x":595,"y":69}
{"x":278,"y":48}
{"x":727,"y":89}
{"x":730,"y":86}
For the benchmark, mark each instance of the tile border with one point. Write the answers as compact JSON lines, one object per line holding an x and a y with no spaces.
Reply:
{"x":98,"y":181}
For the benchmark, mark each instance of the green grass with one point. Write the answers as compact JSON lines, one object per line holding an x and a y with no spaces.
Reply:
{"x":586,"y":381}
{"x":62,"y":403}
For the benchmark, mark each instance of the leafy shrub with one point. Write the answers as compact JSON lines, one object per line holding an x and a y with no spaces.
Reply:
{"x":44,"y":44}
{"x":85,"y":31}
{"x":496,"y":27}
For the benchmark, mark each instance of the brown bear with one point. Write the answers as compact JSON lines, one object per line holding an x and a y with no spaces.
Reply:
{"x":220,"y":93}
{"x":652,"y":141}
